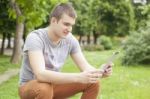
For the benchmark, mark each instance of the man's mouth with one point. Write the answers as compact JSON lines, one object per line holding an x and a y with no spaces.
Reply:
{"x":66,"y":33}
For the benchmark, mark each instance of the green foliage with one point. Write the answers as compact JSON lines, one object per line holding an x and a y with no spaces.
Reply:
{"x":137,"y":47}
{"x":106,"y":42}
{"x":104,"y":17}
{"x":7,"y":24}
{"x":34,"y":12}
{"x":113,"y":17}
{"x":84,"y":22}
{"x":93,"y":47}
{"x":142,"y":13}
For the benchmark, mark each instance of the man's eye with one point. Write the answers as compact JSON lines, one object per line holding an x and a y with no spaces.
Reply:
{"x":66,"y":24}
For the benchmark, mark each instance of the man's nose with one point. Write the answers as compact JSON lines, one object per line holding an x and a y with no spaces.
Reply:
{"x":69,"y":28}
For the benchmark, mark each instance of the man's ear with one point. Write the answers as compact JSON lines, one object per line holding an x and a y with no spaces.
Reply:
{"x":53,"y":20}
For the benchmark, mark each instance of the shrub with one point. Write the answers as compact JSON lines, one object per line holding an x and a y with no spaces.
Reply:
{"x":93,"y":47}
{"x":137,"y":48}
{"x":106,"y":42}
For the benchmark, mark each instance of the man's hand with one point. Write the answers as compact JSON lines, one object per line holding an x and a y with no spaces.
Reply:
{"x":90,"y":76}
{"x":107,"y":68}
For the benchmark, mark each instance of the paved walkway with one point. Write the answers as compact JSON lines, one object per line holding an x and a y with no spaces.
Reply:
{"x":8,"y":74}
{"x":11,"y":72}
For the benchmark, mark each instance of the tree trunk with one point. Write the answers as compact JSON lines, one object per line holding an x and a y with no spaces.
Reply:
{"x":95,"y":35}
{"x":9,"y":40}
{"x":18,"y":36}
{"x":24,"y":37}
{"x":3,"y":44}
{"x":88,"y":39}
{"x":24,"y":34}
{"x":80,"y":39}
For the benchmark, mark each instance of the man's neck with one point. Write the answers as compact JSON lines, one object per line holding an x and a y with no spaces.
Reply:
{"x":52,"y":36}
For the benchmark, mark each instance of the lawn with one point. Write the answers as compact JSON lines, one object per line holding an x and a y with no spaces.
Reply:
{"x":5,"y":64}
{"x":127,"y":82}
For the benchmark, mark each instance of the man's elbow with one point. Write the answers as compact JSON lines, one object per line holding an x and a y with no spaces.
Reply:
{"x":40,"y":76}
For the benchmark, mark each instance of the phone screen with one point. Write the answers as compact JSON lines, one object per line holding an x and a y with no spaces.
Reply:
{"x":113,"y":57}
{"x":110,"y":60}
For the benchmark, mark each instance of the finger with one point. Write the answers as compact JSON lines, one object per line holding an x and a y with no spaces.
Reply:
{"x":110,"y":64}
{"x":95,"y":75}
{"x":101,"y":71}
{"x":107,"y":66}
{"x":108,"y":73}
{"x":109,"y":69}
{"x":93,"y":80}
{"x":96,"y":71}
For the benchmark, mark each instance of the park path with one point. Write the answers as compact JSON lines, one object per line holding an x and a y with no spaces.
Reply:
{"x":8,"y":74}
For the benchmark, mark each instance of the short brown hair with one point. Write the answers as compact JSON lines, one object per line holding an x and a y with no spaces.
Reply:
{"x":62,"y":8}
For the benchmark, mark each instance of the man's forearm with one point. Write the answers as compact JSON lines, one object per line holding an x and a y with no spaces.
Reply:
{"x":88,"y":67}
{"x":57,"y":77}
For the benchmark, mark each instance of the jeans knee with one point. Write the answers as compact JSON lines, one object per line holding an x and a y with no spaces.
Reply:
{"x":95,"y":86}
{"x":44,"y":91}
{"x":45,"y":88}
{"x":36,"y":90}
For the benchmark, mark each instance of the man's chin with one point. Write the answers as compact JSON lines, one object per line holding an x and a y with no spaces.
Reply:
{"x":64,"y":36}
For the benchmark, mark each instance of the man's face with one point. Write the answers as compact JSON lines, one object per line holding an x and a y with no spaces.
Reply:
{"x":63,"y":26}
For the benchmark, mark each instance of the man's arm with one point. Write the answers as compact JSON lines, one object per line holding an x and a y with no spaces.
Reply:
{"x":81,"y":62}
{"x":38,"y":66}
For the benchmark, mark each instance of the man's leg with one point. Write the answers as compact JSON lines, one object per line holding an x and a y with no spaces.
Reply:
{"x":36,"y":90}
{"x":90,"y":91}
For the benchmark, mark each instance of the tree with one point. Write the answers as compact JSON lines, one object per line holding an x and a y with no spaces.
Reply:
{"x":19,"y":32}
{"x":104,"y":17}
{"x":113,"y":17}
{"x":83,"y":25}
{"x":7,"y":25}
{"x":141,"y":14}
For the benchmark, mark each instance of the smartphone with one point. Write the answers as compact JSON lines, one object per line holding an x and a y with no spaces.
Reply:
{"x":110,"y":60}
{"x":113,"y":57}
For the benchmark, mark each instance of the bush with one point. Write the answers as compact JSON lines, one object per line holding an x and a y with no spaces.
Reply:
{"x":106,"y":42}
{"x":93,"y":47}
{"x":137,"y":48}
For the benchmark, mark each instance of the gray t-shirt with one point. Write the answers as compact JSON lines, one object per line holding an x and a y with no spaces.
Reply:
{"x":54,"y":55}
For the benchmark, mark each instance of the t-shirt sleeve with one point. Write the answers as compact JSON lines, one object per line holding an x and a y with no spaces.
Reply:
{"x":75,"y":46}
{"x":33,"y":42}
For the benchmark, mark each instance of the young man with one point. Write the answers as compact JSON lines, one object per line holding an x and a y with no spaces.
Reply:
{"x":45,"y":52}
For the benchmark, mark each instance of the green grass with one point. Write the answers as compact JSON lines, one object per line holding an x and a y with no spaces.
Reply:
{"x":5,"y":64}
{"x":127,"y":82}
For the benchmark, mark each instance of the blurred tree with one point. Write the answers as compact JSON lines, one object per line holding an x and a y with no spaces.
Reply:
{"x":103,"y":17}
{"x":142,"y":13}
{"x":113,"y":17}
{"x":7,"y":25}
{"x":84,"y":23}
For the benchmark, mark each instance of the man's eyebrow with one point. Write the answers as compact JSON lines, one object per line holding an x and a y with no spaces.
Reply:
{"x":69,"y":23}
